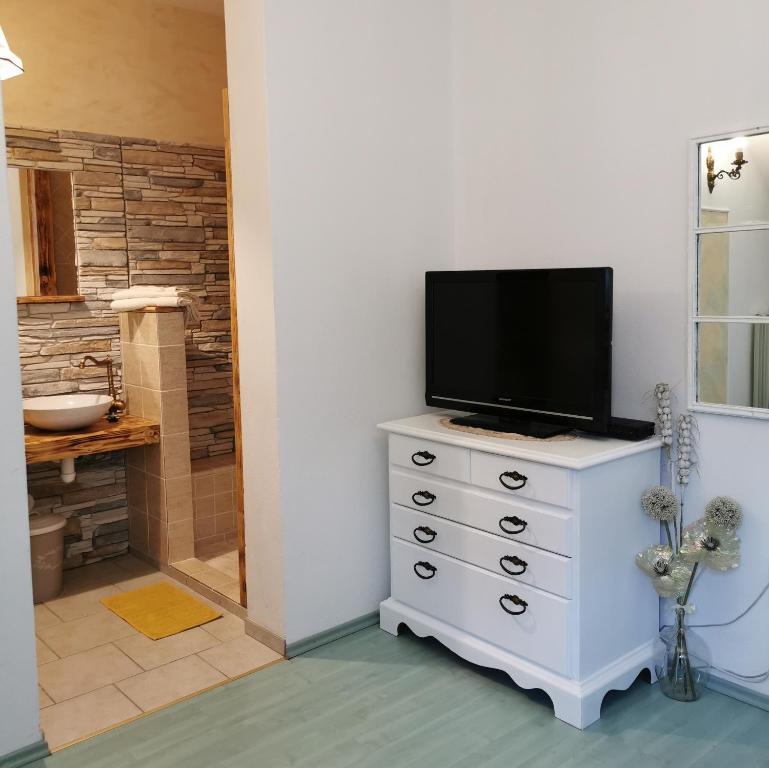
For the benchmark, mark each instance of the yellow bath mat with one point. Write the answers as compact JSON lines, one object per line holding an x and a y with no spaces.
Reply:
{"x":160,"y":610}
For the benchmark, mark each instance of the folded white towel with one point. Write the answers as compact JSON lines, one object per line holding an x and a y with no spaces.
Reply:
{"x":149,"y":291}
{"x":186,"y":302}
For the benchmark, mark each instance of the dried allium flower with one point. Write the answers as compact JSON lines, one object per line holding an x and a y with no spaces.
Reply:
{"x":669,"y":574}
{"x":660,"y":503}
{"x":724,"y":513}
{"x":710,"y":545}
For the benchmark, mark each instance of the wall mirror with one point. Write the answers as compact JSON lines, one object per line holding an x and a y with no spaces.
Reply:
{"x":43,"y":233}
{"x":729,"y":302}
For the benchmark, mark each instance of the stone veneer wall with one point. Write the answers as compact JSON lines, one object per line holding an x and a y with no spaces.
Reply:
{"x":112,"y":183}
{"x":54,"y":337}
{"x":176,"y":215}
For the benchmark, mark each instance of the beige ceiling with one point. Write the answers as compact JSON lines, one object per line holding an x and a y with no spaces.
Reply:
{"x":215,"y":7}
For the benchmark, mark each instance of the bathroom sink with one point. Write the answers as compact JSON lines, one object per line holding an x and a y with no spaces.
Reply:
{"x":58,"y":413}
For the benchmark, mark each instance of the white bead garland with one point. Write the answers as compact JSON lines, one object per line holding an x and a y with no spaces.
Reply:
{"x":685,"y":446}
{"x":664,"y":414}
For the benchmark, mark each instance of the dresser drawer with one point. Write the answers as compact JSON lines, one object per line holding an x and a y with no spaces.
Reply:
{"x":432,"y":458}
{"x":478,"y":602}
{"x":527,"y":565}
{"x":508,"y":518}
{"x":525,"y":479}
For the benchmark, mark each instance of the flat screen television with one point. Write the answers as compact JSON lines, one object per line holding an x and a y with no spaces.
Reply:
{"x":525,"y":350}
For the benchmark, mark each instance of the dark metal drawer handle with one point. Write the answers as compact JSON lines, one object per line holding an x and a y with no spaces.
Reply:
{"x":425,"y":566}
{"x":516,"y":477}
{"x":515,"y":600}
{"x":425,"y":495}
{"x":426,"y":456}
{"x":515,"y":520}
{"x":515,"y":560}
{"x":427,"y":532}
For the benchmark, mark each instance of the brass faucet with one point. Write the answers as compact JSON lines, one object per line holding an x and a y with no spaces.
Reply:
{"x":118,"y":406}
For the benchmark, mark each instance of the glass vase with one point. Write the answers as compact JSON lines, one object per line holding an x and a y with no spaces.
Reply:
{"x":682,"y":660}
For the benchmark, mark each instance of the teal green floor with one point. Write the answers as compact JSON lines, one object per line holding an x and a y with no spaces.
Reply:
{"x":371,"y":699}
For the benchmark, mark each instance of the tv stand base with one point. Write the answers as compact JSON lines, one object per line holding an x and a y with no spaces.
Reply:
{"x":499,"y":424}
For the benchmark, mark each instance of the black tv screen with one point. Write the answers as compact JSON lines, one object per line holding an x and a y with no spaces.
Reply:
{"x":529,"y":345}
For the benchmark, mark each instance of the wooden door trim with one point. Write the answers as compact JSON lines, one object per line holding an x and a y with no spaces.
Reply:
{"x":239,"y":505}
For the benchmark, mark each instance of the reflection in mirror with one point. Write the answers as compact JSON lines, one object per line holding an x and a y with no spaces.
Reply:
{"x":733,"y":274}
{"x":732,"y":364}
{"x":742,"y":200}
{"x":43,"y":232}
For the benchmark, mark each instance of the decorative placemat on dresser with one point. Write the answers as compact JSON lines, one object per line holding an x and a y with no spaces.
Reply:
{"x":446,"y":422}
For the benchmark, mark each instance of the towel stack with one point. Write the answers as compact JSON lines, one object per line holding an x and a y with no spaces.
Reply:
{"x":142,"y":296}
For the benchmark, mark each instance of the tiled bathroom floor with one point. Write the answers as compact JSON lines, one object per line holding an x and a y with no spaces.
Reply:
{"x":96,"y":671}
{"x":216,"y":566}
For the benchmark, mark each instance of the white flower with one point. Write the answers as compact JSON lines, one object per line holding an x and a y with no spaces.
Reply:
{"x":669,"y":575}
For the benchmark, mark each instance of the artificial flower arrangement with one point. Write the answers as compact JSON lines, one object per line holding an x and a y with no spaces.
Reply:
{"x":710,"y":542}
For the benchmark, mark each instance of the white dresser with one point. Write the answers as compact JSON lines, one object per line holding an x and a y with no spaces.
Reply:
{"x":518,"y":555}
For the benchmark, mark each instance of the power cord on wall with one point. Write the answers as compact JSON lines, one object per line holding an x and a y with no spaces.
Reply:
{"x":761,"y":676}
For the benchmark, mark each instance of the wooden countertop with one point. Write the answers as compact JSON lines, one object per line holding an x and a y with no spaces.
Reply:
{"x":128,"y":432}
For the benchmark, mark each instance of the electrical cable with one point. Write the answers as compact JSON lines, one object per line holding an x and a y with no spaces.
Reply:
{"x":757,"y":678}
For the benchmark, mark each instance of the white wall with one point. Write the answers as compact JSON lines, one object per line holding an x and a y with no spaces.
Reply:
{"x":19,"y":722}
{"x":357,"y":157}
{"x":571,"y":123}
{"x":256,"y":314}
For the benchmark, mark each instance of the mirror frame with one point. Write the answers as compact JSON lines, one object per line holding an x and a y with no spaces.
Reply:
{"x":49,"y":298}
{"x":693,"y":277}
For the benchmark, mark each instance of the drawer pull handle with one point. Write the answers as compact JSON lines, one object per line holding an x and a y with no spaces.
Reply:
{"x":515,"y":560}
{"x":515,"y":600}
{"x":427,"y":532}
{"x":425,"y":456}
{"x":425,"y":566}
{"x":516,"y":477}
{"x":425,"y":495}
{"x":515,"y":520}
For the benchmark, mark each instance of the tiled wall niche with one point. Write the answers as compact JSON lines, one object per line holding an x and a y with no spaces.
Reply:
{"x":145,"y":213}
{"x":213,"y":491}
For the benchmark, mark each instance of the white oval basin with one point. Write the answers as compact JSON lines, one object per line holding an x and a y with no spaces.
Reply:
{"x":58,"y":413}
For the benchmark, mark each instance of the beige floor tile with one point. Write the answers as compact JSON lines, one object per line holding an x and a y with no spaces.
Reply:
{"x":226,"y":564}
{"x":137,"y":582}
{"x":44,"y":653}
{"x":100,"y":574}
{"x":211,"y":577}
{"x":231,"y":590}
{"x":191,"y":566}
{"x":170,"y":682}
{"x":45,"y":699}
{"x":45,"y":617}
{"x":228,"y":627}
{"x":84,"y":715}
{"x":74,"y":636}
{"x":80,"y":604}
{"x":85,"y":672}
{"x":133,"y":566}
{"x":238,"y":656}
{"x":154,"y":653}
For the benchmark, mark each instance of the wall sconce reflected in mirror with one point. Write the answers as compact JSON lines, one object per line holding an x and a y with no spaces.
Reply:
{"x":738,"y":162}
{"x":10,"y":63}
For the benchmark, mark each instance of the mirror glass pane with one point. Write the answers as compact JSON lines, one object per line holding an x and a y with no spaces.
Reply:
{"x":733,"y":270}
{"x":733,"y":364}
{"x":42,"y":232}
{"x":735,"y":201}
